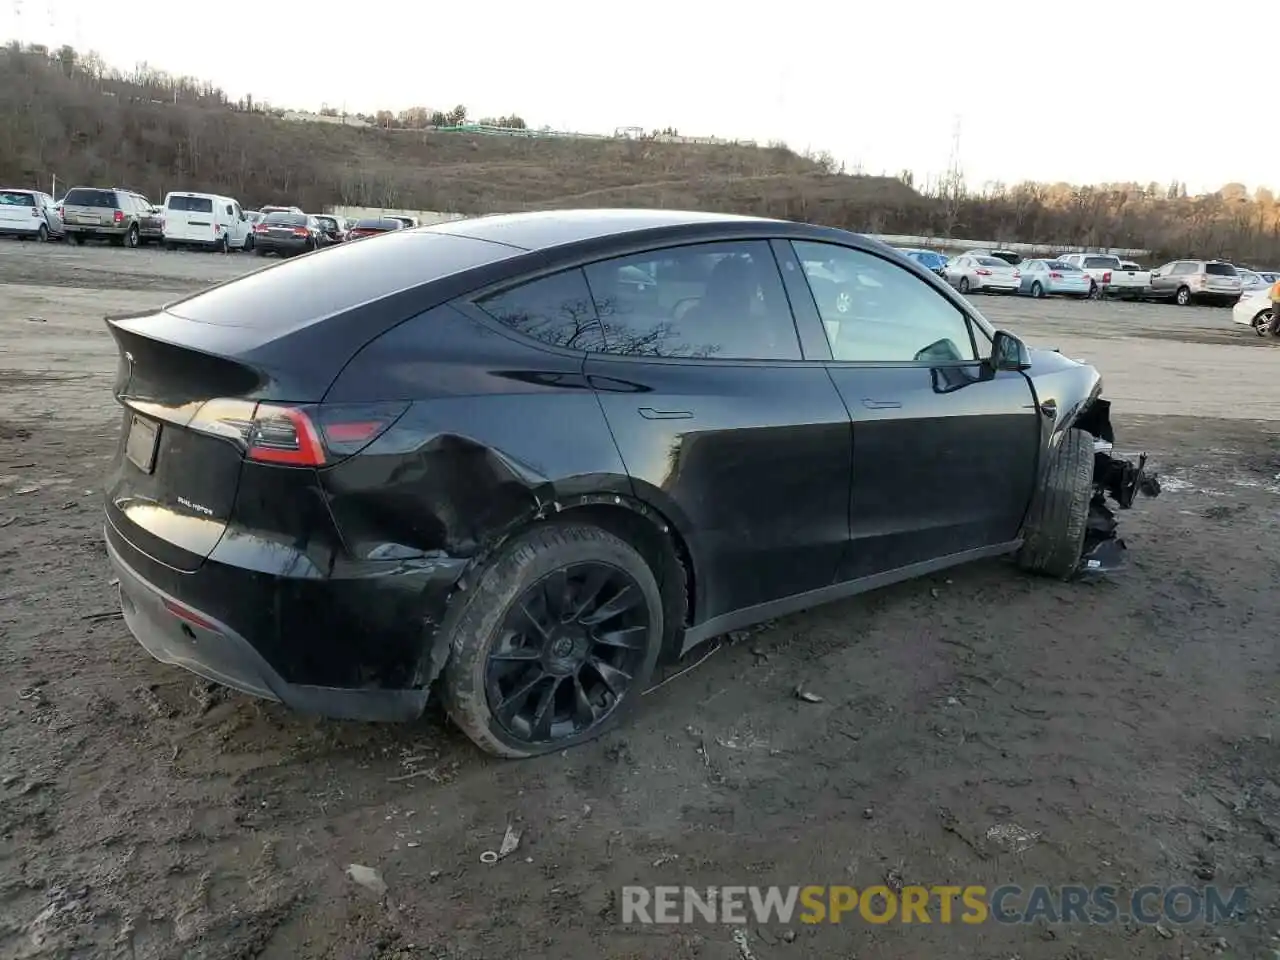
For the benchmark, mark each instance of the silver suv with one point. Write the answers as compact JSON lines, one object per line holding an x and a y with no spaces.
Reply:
{"x":1191,"y":281}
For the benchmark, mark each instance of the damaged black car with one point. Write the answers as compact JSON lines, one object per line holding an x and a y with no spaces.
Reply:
{"x":522,"y":462}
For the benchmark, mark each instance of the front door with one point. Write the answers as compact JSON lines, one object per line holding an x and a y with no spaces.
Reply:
{"x":720,"y":423}
{"x":944,"y":452}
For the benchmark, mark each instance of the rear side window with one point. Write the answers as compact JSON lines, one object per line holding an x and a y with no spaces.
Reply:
{"x":308,"y":290}
{"x":709,"y":301}
{"x":556,"y":310}
{"x":16,"y":198}
{"x":85,"y":197}
{"x":1220,"y":269}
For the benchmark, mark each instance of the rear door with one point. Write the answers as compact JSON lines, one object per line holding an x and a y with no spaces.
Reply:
{"x":944,"y":451}
{"x":722,"y":425}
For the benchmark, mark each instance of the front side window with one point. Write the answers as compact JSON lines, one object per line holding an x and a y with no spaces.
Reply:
{"x":707,"y":301}
{"x":556,"y":310}
{"x":876,"y":312}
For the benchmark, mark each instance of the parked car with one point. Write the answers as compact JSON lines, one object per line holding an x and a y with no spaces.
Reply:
{"x":373,"y":226}
{"x":333,"y":229}
{"x":1251,"y":281}
{"x":1254,"y":310}
{"x":929,"y":259}
{"x":1269,"y":276}
{"x":407,"y":221}
{"x":982,"y":274}
{"x":461,"y":459}
{"x":205,"y":220}
{"x":286,"y":234}
{"x":1041,"y":278}
{"x":29,"y":215}
{"x":123,"y":217}
{"x":1110,"y":275}
{"x":1196,"y":281}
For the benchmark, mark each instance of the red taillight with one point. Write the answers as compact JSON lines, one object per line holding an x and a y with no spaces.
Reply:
{"x":296,"y":436}
{"x":259,"y":228}
{"x":300,"y":231}
{"x":1106,"y":277}
{"x":58,"y":211}
{"x":118,"y":217}
{"x":1017,"y":274}
{"x":1054,"y":275}
{"x":189,"y":615}
{"x":983,"y":273}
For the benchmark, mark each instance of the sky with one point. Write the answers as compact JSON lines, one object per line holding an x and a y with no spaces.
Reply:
{"x":1090,"y":93}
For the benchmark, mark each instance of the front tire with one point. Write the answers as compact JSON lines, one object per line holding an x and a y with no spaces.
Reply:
{"x":554,"y":644}
{"x":132,"y":238}
{"x":1053,"y":537}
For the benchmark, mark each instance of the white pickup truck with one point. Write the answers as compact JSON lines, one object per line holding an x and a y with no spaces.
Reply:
{"x":1111,"y":276}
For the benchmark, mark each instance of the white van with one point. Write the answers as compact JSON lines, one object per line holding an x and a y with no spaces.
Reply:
{"x":205,"y":220}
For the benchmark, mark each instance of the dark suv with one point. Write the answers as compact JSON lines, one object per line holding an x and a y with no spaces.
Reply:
{"x":126,"y":218}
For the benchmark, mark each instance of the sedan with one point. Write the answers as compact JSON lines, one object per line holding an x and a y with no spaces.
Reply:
{"x":460,"y":461}
{"x":929,"y":259}
{"x":1255,"y":310}
{"x":1252,"y":281}
{"x":986,"y":274}
{"x":374,"y":226}
{"x":287,"y":234}
{"x":1041,"y":278}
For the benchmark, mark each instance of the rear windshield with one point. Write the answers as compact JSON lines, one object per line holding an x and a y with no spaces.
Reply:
{"x":992,"y":262}
{"x":1059,"y":265}
{"x":16,"y":198}
{"x":287,"y":219}
{"x":328,"y":222}
{"x":86,"y":197}
{"x":191,"y":204}
{"x":387,"y":224}
{"x":1094,"y":262}
{"x":1220,"y":269}
{"x":301,"y":292}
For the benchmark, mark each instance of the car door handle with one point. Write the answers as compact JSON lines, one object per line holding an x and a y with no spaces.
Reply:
{"x":649,"y":413}
{"x":881,"y":404}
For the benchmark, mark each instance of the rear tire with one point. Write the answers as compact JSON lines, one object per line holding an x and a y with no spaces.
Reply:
{"x":221,"y":246}
{"x":260,"y":252}
{"x":248,"y":243}
{"x":478,"y":626}
{"x":132,"y":238}
{"x":79,"y":238}
{"x":42,"y":235}
{"x":1183,"y":297}
{"x":1053,"y":536}
{"x":1037,"y":291}
{"x":963,"y":286}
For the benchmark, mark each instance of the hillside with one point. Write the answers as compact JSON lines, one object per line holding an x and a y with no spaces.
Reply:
{"x":68,"y":116}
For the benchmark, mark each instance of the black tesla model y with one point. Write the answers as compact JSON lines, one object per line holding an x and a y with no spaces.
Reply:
{"x":523,"y":460}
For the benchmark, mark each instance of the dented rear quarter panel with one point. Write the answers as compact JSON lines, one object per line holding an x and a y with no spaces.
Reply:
{"x":497,"y":432}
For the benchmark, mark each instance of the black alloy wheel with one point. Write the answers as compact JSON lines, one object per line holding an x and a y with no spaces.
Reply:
{"x":568,"y":653}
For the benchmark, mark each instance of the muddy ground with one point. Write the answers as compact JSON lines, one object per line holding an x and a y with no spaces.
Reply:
{"x":1130,"y":723}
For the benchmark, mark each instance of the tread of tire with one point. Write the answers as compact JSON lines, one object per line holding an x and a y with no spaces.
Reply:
{"x":457,"y":691}
{"x":1059,"y":512}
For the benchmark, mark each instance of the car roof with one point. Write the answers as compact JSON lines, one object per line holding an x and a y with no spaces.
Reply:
{"x":552,"y":228}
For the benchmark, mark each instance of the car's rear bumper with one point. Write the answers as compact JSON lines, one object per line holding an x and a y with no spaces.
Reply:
{"x":96,"y":230}
{"x":259,"y":634}
{"x":269,"y":245}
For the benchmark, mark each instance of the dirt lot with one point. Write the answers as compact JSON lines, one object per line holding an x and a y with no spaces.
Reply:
{"x":1131,"y":723}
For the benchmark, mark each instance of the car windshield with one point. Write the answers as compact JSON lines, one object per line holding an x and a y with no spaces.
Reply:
{"x":85,"y":197}
{"x":1220,"y":269}
{"x":287,"y":219}
{"x":191,"y":204}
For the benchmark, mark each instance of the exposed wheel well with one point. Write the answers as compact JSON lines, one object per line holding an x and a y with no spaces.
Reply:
{"x":664,"y":550}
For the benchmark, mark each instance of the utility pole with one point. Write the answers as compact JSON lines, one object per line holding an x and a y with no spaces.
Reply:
{"x":953,"y":183}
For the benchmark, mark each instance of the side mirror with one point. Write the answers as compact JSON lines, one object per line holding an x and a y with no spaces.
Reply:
{"x":1008,"y":352}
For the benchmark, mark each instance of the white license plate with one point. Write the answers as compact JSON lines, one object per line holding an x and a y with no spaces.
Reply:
{"x":140,"y":447}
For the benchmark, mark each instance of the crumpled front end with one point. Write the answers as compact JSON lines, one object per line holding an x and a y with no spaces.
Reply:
{"x":1117,"y":481}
